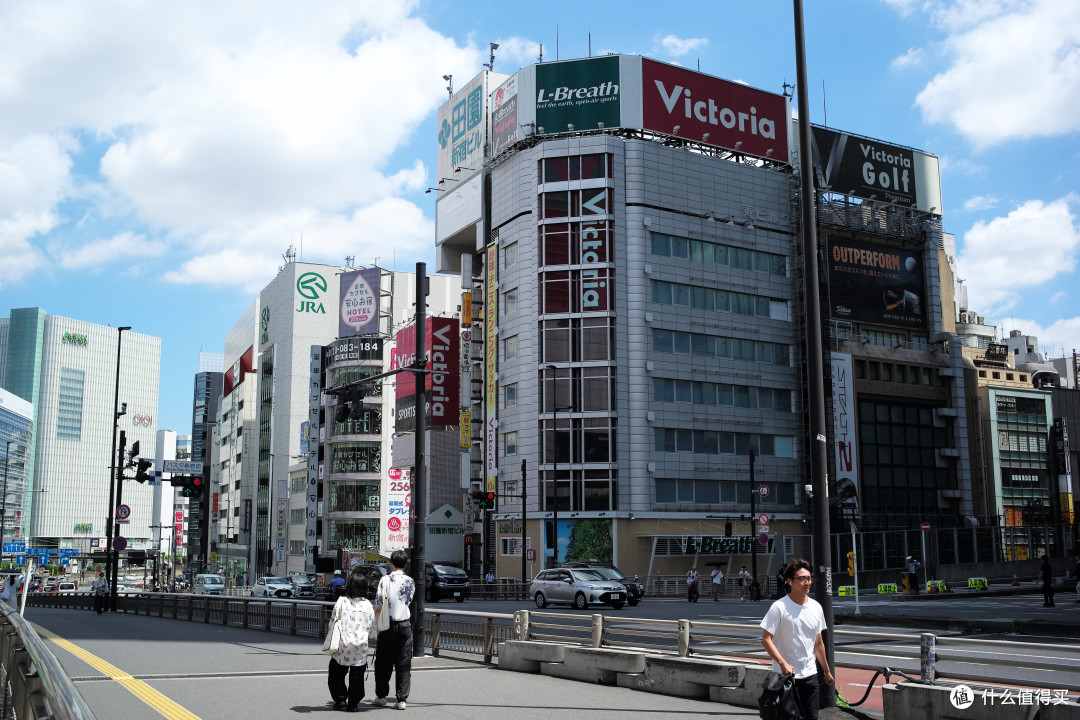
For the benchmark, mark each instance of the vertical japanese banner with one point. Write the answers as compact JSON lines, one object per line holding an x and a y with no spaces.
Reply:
{"x":491,"y":355}
{"x":398,"y":501}
{"x":843,"y":407}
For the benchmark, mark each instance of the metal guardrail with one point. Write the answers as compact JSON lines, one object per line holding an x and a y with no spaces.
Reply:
{"x":37,"y":685}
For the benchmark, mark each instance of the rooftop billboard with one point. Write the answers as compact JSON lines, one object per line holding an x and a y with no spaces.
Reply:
{"x":876,"y":284}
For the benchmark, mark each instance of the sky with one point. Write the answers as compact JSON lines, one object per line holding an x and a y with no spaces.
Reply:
{"x":158,"y":159}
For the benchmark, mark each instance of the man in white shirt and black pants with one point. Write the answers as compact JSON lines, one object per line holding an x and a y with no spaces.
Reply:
{"x":791,"y":634}
{"x":393,"y":652}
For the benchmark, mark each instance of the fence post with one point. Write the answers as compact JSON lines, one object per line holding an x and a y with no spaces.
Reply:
{"x":597,"y":630}
{"x":292,"y":617}
{"x":268,"y":609}
{"x":488,"y":637}
{"x":684,"y":638}
{"x":928,"y":656}
{"x":521,"y":624}
{"x":436,"y":633}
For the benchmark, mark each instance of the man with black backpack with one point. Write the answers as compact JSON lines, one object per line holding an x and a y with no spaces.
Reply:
{"x":791,"y":634}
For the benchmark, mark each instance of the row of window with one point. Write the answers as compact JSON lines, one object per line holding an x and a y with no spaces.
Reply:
{"x":703,"y":298}
{"x":709,"y":442}
{"x":686,"y":343}
{"x":575,"y":167}
{"x":715,"y":492}
{"x":69,"y":415}
{"x":703,"y":251}
{"x":723,"y":394}
{"x":893,"y":372}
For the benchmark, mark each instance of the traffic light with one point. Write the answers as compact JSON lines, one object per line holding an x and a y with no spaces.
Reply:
{"x":142,"y":471}
{"x":484,"y":500}
{"x":350,"y":403}
{"x":851,"y":564}
{"x":193,"y":487}
{"x":133,"y":454}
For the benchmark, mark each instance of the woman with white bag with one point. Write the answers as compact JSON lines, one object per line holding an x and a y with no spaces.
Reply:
{"x":352,"y":627}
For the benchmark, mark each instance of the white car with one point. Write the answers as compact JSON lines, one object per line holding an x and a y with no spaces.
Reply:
{"x":269,"y":586}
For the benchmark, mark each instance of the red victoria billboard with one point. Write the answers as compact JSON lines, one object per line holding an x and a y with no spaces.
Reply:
{"x":714,"y":111}
{"x":442,"y":385}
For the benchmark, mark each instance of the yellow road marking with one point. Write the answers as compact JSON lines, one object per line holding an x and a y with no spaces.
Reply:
{"x":138,"y":688}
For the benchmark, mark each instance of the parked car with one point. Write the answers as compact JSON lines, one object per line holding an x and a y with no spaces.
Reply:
{"x":209,"y":584}
{"x":373,"y":572}
{"x":578,"y":587}
{"x":446,"y":581}
{"x":302,"y":586}
{"x":269,"y":586}
{"x":634,"y":589}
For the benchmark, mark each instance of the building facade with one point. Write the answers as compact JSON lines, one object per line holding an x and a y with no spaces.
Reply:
{"x":17,"y":436}
{"x":207,"y":394}
{"x":67,"y":368}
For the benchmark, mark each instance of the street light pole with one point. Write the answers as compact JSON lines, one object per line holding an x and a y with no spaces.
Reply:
{"x":111,"y":559}
{"x":555,"y":457}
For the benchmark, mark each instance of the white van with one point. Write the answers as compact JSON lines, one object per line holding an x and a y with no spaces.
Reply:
{"x":209,"y":585}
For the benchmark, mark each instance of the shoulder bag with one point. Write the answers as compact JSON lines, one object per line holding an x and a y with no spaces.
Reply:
{"x":382,"y":616}
{"x":778,"y":699}
{"x":332,"y":644}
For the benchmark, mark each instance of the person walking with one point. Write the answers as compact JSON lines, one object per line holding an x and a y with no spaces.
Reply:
{"x":393,"y":651}
{"x":744,"y":582}
{"x":355,"y":620}
{"x":1076,"y":574}
{"x":717,"y":576}
{"x":1046,"y":575}
{"x":692,"y":584}
{"x":10,"y":593}
{"x":100,"y":588}
{"x":791,"y":635}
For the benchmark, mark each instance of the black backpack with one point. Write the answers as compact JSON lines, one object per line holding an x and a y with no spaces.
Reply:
{"x":778,"y":700}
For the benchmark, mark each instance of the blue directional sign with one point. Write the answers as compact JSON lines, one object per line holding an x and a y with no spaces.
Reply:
{"x":67,"y":552}
{"x":15,"y":547}
{"x":20,"y":559}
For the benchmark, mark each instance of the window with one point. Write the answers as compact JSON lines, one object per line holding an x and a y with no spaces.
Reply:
{"x":510,"y":394}
{"x":69,"y":417}
{"x":297,"y":516}
{"x":512,"y":546}
{"x":510,"y":255}
{"x":510,"y":301}
{"x":510,"y":443}
{"x":510,"y":347}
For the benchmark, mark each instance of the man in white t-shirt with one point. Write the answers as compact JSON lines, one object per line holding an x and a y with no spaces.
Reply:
{"x":791,"y":634}
{"x":717,"y":583}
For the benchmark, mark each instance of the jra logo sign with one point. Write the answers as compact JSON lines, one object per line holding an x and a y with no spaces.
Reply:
{"x":310,"y":286}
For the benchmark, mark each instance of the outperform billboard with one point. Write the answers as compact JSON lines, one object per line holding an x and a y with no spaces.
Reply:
{"x":875,"y":170}
{"x":713,"y":111}
{"x":442,"y":384}
{"x":876,"y":284}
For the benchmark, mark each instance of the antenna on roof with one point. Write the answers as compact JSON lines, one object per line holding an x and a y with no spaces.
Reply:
{"x":590,"y":43}
{"x":541,"y":58}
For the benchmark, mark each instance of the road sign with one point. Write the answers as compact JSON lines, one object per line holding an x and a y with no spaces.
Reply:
{"x":67,"y":552}
{"x":123,"y":513}
{"x":186,"y":467}
{"x":530,"y":555}
{"x":763,"y":539}
{"x":925,"y":527}
{"x":15,"y":547}
{"x":119,"y":543}
{"x":763,"y":490}
{"x":763,"y":519}
{"x":763,"y":528}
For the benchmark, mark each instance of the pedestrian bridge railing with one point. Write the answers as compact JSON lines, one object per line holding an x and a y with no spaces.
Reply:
{"x":35,"y":683}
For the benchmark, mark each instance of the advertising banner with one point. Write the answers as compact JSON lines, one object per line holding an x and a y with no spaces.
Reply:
{"x":358,"y":312}
{"x":843,"y":408}
{"x":443,"y":385}
{"x":582,"y":93}
{"x":714,"y":111}
{"x":491,"y":355}
{"x":876,"y":284}
{"x":398,"y":506}
{"x":504,"y":116}
{"x":875,"y":170}
{"x":461,"y":128}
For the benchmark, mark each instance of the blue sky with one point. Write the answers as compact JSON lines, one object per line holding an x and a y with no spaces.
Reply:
{"x":157,"y":159}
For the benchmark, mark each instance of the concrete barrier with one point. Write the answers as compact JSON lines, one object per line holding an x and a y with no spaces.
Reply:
{"x":594,"y":665}
{"x":747,"y":694}
{"x":913,"y":700}
{"x":527,"y":655}
{"x":685,"y":677}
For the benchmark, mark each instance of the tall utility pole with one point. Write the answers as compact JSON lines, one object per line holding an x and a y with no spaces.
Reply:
{"x":111,"y":560}
{"x":819,"y":470}
{"x":418,"y":526}
{"x":524,"y":497}
{"x":755,"y":592}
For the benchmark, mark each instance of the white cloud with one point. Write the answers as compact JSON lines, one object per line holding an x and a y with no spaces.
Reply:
{"x":1015,"y":70}
{"x":1055,"y":340}
{"x":912,"y":58}
{"x":1058,"y":297}
{"x":125,"y":246}
{"x":1027,"y":247}
{"x":230,"y":127}
{"x":980,"y":202}
{"x":677,"y":47}
{"x":516,"y":52}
